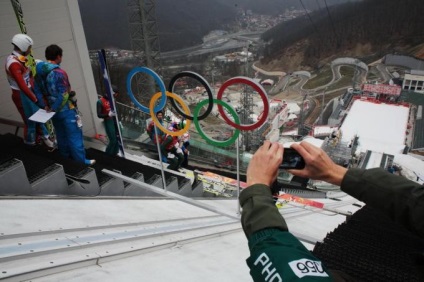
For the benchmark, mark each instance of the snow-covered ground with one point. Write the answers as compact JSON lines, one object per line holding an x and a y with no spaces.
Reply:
{"x":380,"y":127}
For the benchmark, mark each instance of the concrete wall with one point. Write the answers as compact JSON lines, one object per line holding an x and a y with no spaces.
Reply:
{"x":51,"y":22}
{"x":405,"y":61}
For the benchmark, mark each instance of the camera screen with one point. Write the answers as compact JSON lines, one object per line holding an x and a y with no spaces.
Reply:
{"x":292,"y":160}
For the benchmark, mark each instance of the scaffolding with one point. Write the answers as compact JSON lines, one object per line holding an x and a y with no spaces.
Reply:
{"x":246,"y":102}
{"x":144,"y":41}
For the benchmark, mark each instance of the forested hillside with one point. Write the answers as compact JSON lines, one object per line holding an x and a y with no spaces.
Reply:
{"x":183,"y":23}
{"x":180,"y":23}
{"x":381,"y":25}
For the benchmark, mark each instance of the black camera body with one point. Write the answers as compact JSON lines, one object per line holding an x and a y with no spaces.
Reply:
{"x":292,"y":160}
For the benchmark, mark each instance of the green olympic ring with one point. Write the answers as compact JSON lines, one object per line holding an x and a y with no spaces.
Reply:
{"x":207,"y":138}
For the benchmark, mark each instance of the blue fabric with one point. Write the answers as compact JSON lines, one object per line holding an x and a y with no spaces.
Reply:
{"x":52,"y":81}
{"x":69,"y":136}
{"x":29,"y":109}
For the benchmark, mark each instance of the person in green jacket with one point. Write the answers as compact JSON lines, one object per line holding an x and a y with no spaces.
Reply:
{"x":275,"y":254}
{"x":104,"y":111}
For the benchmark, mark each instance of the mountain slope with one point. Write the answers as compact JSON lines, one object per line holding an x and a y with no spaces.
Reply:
{"x":354,"y":29}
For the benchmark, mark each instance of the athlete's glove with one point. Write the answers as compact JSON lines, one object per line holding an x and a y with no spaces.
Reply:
{"x":112,"y":114}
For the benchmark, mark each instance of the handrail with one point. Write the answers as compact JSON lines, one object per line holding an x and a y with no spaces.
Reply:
{"x":162,"y":192}
{"x":132,"y":108}
{"x":18,"y":124}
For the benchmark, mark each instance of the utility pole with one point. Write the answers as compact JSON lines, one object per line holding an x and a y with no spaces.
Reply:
{"x":246,"y":101}
{"x":323,"y":107}
{"x":301,"y":127}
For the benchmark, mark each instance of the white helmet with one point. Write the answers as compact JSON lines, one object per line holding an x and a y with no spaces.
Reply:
{"x":22,"y":41}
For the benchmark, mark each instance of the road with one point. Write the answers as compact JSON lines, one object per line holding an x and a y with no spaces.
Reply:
{"x":231,"y":41}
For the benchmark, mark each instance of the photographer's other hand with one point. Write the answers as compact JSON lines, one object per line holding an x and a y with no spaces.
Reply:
{"x":263,"y":167}
{"x":319,"y":165}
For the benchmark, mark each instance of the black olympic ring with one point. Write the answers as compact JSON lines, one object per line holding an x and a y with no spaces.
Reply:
{"x":202,"y":81}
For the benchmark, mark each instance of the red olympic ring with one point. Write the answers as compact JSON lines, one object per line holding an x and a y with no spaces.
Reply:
{"x":255,"y":86}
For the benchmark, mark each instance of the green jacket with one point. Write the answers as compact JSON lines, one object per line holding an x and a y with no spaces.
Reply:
{"x":275,"y":254}
{"x":397,"y":197}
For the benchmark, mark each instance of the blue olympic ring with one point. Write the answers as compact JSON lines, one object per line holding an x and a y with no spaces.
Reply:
{"x":159,"y":82}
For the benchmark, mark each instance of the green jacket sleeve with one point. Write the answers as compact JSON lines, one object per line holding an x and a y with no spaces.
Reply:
{"x":259,"y":210}
{"x":275,"y":254}
{"x":398,"y":197}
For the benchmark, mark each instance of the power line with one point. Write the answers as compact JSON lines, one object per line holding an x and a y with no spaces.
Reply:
{"x":319,"y":6}
{"x":332,"y":23}
{"x":309,"y":16}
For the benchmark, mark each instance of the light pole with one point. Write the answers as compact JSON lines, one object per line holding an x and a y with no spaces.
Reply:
{"x":323,"y":107}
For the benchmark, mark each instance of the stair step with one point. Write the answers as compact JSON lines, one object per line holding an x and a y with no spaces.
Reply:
{"x":13,"y":178}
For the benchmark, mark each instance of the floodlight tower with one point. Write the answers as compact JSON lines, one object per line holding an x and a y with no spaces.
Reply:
{"x":144,"y":39}
{"x":246,"y":101}
{"x":301,"y":124}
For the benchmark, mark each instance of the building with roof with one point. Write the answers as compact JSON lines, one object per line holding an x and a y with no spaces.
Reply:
{"x":414,"y":81}
{"x":380,"y":127}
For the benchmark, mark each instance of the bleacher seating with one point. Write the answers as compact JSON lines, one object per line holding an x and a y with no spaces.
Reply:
{"x":31,"y":170}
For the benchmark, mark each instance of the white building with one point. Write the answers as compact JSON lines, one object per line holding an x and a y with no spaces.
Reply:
{"x":414,"y":81}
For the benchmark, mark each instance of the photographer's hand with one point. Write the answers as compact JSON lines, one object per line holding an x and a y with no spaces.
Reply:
{"x":319,"y":166}
{"x":263,"y":167}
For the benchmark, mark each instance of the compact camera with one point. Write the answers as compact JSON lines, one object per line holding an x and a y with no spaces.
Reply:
{"x":292,"y":159}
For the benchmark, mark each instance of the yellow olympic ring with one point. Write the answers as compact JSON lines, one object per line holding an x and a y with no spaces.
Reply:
{"x":156,"y":121}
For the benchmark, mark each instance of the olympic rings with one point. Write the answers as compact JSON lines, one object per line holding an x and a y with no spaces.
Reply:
{"x":255,"y":86}
{"x":202,"y":81}
{"x":158,"y":80}
{"x":156,"y":121}
{"x":204,"y":136}
{"x":185,"y":112}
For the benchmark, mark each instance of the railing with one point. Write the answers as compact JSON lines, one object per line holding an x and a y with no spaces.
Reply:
{"x":133,"y":121}
{"x":17,"y":124}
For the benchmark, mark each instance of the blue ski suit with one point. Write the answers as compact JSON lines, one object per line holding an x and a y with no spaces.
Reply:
{"x":53,"y":82}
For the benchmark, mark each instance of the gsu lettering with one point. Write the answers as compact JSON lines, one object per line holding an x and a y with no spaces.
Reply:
{"x":307,"y":267}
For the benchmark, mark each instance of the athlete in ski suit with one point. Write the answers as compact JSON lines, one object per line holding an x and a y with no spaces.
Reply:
{"x":20,"y":80}
{"x":53,"y":82}
{"x":170,"y":148}
{"x":276,"y":255}
{"x":156,"y":135}
{"x":104,"y":112}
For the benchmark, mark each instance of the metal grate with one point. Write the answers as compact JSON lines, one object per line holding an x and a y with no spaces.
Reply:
{"x":370,"y":247}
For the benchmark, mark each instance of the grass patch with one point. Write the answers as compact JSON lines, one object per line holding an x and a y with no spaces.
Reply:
{"x":347,"y":71}
{"x":345,"y":81}
{"x":321,"y":78}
